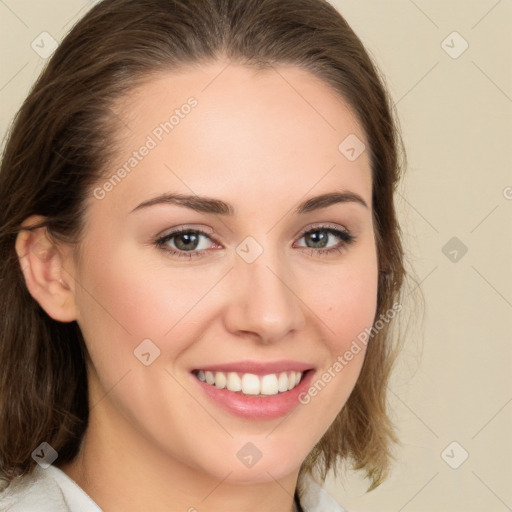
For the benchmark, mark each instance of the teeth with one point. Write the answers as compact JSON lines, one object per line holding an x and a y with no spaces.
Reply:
{"x":234,"y":382}
{"x":282,"y":383}
{"x":269,"y":384}
{"x":291,"y":380}
{"x":251,"y":384}
{"x":294,"y":379}
{"x":220,"y":380}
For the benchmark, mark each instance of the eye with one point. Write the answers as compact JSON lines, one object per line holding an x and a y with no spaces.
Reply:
{"x":319,"y":237}
{"x":188,"y":243}
{"x":183,"y":242}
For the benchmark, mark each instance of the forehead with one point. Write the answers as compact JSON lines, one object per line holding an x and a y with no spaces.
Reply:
{"x":205,"y":126}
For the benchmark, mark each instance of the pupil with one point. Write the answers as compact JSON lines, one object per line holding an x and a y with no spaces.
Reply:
{"x":186,"y":236}
{"x":321,"y":238}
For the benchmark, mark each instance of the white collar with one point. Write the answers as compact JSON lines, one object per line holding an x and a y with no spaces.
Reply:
{"x":315,"y":498}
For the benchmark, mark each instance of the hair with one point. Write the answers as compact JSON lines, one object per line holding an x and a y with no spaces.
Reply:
{"x":57,"y":150}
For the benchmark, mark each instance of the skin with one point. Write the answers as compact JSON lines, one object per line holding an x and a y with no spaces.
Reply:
{"x":155,"y":441}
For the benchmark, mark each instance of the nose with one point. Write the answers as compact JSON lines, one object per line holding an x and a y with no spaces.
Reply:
{"x":264,"y":299}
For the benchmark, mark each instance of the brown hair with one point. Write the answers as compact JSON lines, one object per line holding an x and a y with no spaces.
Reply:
{"x":56,"y":152}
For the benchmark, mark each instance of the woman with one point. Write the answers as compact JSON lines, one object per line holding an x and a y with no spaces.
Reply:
{"x":200,"y":262}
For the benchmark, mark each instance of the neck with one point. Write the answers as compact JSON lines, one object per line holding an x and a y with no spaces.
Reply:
{"x":122,"y":471}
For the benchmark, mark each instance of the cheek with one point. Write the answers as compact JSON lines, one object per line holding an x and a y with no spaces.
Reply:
{"x":355,"y":307}
{"x":130,"y":296}
{"x":348,"y":306}
{"x":349,"y":302}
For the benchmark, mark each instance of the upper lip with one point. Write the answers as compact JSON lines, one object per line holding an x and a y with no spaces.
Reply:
{"x":257,"y":367}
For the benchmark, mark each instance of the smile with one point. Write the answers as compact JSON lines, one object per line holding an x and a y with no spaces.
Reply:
{"x":255,"y":389}
{"x":250,"y":383}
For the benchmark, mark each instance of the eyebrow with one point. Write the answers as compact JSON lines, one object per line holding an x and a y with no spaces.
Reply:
{"x":219,"y":207}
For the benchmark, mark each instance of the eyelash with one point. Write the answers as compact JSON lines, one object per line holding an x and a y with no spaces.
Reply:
{"x":346,"y":239}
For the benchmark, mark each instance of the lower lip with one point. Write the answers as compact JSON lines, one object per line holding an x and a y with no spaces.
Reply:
{"x":257,"y":407}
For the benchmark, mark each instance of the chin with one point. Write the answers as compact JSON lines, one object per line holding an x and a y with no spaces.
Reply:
{"x":247,"y":464}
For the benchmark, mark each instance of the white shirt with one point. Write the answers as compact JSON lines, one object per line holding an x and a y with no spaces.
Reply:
{"x":51,"y":490}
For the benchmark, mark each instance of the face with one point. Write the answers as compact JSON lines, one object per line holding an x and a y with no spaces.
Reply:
{"x":248,"y":283}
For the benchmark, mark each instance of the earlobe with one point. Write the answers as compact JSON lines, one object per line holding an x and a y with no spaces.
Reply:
{"x":42,"y":263}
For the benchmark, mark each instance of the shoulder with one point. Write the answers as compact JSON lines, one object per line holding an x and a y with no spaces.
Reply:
{"x":314,"y":498}
{"x":45,"y":490}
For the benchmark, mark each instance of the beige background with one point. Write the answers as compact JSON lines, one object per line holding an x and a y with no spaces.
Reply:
{"x":453,"y":380}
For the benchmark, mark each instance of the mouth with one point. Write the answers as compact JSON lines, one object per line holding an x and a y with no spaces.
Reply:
{"x":255,"y":390}
{"x":250,"y":383}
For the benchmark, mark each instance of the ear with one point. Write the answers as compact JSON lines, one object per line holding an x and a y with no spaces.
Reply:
{"x":43,"y":262}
